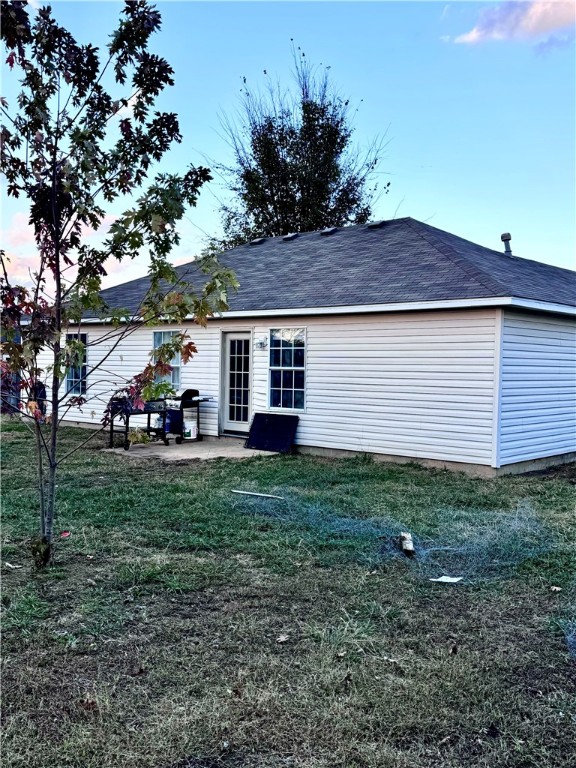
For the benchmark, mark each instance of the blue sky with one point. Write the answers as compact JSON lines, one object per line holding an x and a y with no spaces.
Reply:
{"x":477,"y":102}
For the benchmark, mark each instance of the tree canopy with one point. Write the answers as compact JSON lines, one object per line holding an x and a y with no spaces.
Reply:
{"x":84,"y":133}
{"x":295,"y":166}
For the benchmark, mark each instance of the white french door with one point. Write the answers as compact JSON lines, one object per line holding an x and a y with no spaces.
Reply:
{"x":237,"y":382}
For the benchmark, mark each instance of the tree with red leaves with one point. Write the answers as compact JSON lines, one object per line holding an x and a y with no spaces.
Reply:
{"x":65,"y":150}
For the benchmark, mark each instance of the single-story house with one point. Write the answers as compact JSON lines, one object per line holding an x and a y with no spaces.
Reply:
{"x":393,"y":338}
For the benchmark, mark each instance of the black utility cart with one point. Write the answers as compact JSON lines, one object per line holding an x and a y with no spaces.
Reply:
{"x":169,"y":413}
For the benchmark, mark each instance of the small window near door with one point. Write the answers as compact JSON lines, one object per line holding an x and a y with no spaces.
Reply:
{"x":287,"y":368}
{"x":76,"y":375}
{"x":173,"y":378}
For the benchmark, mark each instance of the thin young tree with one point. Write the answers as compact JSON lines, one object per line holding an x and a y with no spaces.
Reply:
{"x":83,"y":134}
{"x":295,"y":166}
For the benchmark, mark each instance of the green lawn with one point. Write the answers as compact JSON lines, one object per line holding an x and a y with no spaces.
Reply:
{"x":184,"y":626}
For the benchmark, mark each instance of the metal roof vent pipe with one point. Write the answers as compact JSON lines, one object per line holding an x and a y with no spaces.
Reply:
{"x":506,"y":237}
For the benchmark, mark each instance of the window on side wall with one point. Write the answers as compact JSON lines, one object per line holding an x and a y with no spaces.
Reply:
{"x":76,"y":376}
{"x":173,"y":378}
{"x":287,"y":368}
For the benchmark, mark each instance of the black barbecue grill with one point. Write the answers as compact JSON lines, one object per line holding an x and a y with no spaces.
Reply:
{"x":170,"y":413}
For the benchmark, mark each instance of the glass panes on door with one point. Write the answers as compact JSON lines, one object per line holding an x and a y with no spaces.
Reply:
{"x":239,"y":380}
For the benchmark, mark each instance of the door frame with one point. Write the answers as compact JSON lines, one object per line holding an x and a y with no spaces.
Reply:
{"x":224,"y":335}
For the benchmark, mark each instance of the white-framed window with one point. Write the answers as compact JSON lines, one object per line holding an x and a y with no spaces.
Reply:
{"x":287,"y":368}
{"x":76,"y":376}
{"x":163,"y":337}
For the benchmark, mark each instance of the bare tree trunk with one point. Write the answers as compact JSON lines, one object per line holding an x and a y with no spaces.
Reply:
{"x":41,"y":479}
{"x":41,"y":547}
{"x":49,"y":491}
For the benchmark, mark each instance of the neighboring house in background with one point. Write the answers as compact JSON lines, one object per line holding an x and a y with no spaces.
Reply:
{"x":10,"y":394}
{"x":393,"y":338}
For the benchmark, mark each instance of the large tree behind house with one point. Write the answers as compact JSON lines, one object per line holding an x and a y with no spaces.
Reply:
{"x":295,"y":166}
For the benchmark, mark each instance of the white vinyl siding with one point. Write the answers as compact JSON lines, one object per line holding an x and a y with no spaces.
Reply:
{"x":131,"y":356}
{"x":538,"y":387}
{"x":414,"y":384}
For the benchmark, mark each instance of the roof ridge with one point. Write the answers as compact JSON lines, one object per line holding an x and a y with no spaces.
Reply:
{"x":340,"y":228}
{"x":467,"y":266}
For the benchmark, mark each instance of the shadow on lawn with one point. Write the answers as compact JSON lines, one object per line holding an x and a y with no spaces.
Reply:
{"x":475,"y":544}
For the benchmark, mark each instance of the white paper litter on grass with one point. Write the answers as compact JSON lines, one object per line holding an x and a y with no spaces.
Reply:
{"x":448,"y":579}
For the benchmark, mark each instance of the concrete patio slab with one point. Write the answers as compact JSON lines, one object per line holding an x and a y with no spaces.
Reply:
{"x":204,"y":450}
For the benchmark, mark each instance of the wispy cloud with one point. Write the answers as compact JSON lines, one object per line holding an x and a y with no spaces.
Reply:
{"x":23,"y":259}
{"x":20,"y":268}
{"x":20,"y":232}
{"x":22,"y":251}
{"x":552,"y":21}
{"x":555,"y":41}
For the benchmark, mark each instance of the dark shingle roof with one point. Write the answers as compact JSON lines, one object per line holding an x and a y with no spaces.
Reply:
{"x":402,"y":260}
